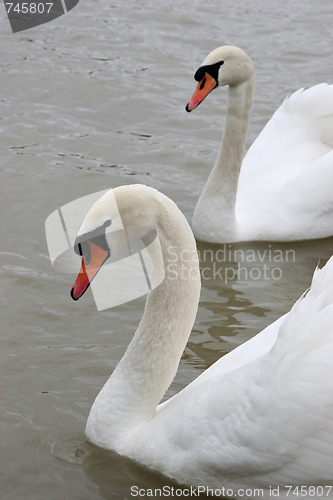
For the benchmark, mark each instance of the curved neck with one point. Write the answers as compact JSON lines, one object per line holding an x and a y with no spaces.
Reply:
{"x":132,"y":393}
{"x":218,"y":199}
{"x":229,"y":160}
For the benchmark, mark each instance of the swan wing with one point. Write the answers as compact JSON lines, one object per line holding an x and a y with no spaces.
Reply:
{"x":262,"y":422}
{"x":299,"y":132}
{"x":287,"y":174}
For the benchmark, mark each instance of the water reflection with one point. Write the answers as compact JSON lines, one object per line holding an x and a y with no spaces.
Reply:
{"x":236,"y":303}
{"x":116,"y":476}
{"x":80,"y":98}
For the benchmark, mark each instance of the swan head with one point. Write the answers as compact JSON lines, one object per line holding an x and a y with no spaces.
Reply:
{"x":122,"y":214}
{"x":226,"y":65}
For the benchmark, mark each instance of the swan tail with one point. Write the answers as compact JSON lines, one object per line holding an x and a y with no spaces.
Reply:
{"x":299,"y":133}
{"x":307,"y":330}
{"x":315,"y":105}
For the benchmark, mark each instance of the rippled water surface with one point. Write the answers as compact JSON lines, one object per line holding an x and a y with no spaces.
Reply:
{"x":96,"y":99}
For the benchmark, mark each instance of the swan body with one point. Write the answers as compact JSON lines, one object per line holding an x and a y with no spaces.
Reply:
{"x":281,"y":190}
{"x":260,"y":417}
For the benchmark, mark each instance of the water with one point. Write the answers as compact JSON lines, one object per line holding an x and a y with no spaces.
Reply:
{"x":96,"y":99}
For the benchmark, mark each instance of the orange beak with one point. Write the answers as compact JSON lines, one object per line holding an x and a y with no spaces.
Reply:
{"x":204,"y":87}
{"x":92,"y":261}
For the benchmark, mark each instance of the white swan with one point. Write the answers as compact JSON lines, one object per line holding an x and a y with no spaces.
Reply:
{"x":283,"y":191}
{"x":260,"y":417}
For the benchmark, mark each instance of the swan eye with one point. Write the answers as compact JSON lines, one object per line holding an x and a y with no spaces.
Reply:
{"x":200,"y":73}
{"x":83,"y":249}
{"x":97,"y":236}
{"x":211,"y":69}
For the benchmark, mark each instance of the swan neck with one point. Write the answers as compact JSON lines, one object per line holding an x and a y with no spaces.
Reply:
{"x":229,"y":160}
{"x":218,"y":199}
{"x":230,"y":157}
{"x":132,"y":393}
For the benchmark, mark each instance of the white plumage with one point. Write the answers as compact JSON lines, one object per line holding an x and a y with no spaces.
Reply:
{"x":260,"y":417}
{"x":281,"y":190}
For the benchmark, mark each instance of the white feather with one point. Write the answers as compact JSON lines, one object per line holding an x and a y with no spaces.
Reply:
{"x":260,"y":417}
{"x":281,"y":190}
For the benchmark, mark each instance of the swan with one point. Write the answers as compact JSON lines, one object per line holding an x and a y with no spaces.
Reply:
{"x":259,"y":417}
{"x":282,"y":191}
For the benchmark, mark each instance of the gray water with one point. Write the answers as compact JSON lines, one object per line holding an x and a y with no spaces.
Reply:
{"x":96,"y":99}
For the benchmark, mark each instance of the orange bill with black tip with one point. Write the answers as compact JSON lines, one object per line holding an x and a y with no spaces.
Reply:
{"x":92,"y":261}
{"x":204,"y":87}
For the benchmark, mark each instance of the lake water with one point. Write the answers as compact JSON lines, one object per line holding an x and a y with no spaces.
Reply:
{"x":93,"y":100}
